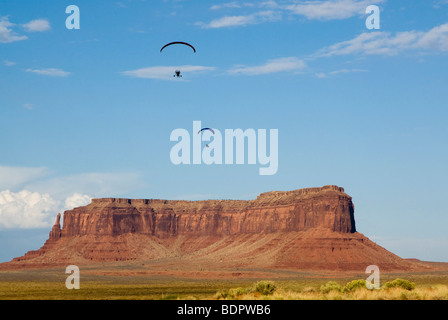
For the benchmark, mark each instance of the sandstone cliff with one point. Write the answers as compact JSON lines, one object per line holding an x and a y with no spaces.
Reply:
{"x":311,"y":228}
{"x":299,"y":210}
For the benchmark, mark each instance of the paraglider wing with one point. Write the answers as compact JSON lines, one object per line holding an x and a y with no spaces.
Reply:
{"x":178,"y":42}
{"x":203,"y":129}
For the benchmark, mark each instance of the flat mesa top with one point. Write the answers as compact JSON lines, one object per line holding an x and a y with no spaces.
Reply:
{"x":266,"y":198}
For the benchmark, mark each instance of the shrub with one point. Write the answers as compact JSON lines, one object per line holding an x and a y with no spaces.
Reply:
{"x":232,"y":293}
{"x":354,"y":285}
{"x":400,"y":283}
{"x":308,"y":290}
{"x":331,"y":286}
{"x":236,"y":292}
{"x":222,"y":294}
{"x":265,"y":287}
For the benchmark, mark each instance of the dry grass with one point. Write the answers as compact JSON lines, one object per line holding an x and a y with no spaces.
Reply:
{"x":207,"y":291}
{"x":51,"y":285}
{"x":432,"y":292}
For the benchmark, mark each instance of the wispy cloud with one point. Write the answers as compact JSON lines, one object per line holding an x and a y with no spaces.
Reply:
{"x":336,"y":72}
{"x":120,"y":5}
{"x":232,"y":5}
{"x":9,"y":63}
{"x":288,"y":64}
{"x":164,"y":72}
{"x":16,"y":177}
{"x":28,"y":106}
{"x":330,"y":10}
{"x":386,"y":43}
{"x":39,"y":25}
{"x":311,"y":10}
{"x":51,"y":72}
{"x":44,"y":180}
{"x":439,"y":3}
{"x":241,"y":20}
{"x":96,"y":184}
{"x":239,"y":4}
{"x":7,"y":35}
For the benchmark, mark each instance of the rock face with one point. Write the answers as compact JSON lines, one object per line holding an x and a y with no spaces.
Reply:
{"x":55,"y":232}
{"x":299,"y":210}
{"x":310,"y":228}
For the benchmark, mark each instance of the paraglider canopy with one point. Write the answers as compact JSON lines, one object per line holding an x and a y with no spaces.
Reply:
{"x":203,"y":129}
{"x":209,"y":129}
{"x":178,"y":42}
{"x":177,"y":73}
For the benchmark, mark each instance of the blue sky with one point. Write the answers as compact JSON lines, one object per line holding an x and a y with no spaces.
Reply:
{"x":83,"y":113}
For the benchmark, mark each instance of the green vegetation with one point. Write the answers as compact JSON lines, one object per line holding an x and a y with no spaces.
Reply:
{"x":354,"y":285}
{"x":331,"y":286}
{"x":265,"y":287}
{"x":99,"y":290}
{"x":400,"y":283}
{"x":398,"y":289}
{"x":29,"y":285}
{"x":231,"y":293}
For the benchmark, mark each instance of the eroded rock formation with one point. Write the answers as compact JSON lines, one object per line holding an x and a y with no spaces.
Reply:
{"x":311,"y":228}
{"x":328,"y":207}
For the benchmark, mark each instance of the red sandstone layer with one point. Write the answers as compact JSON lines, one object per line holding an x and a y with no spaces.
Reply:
{"x":302,"y":229}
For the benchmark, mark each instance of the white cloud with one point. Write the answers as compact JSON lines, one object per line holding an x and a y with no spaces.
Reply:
{"x":436,"y":39}
{"x":336,"y":72}
{"x":269,"y":4}
{"x":238,"y":5}
{"x":16,"y":177}
{"x":386,"y":43}
{"x":440,"y":3}
{"x":28,"y":106}
{"x":330,"y":10}
{"x":231,"y":5}
{"x":26,"y":209}
{"x":60,"y":187}
{"x":242,"y":20}
{"x":229,"y":21}
{"x":52,"y":72}
{"x":120,"y":5}
{"x":272,"y":66}
{"x":164,"y":72}
{"x":38,"y":25}
{"x":312,"y":10}
{"x":7,"y":35}
{"x":77,"y":200}
{"x":9,"y":63}
{"x":32,"y":197}
{"x":94,"y":184}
